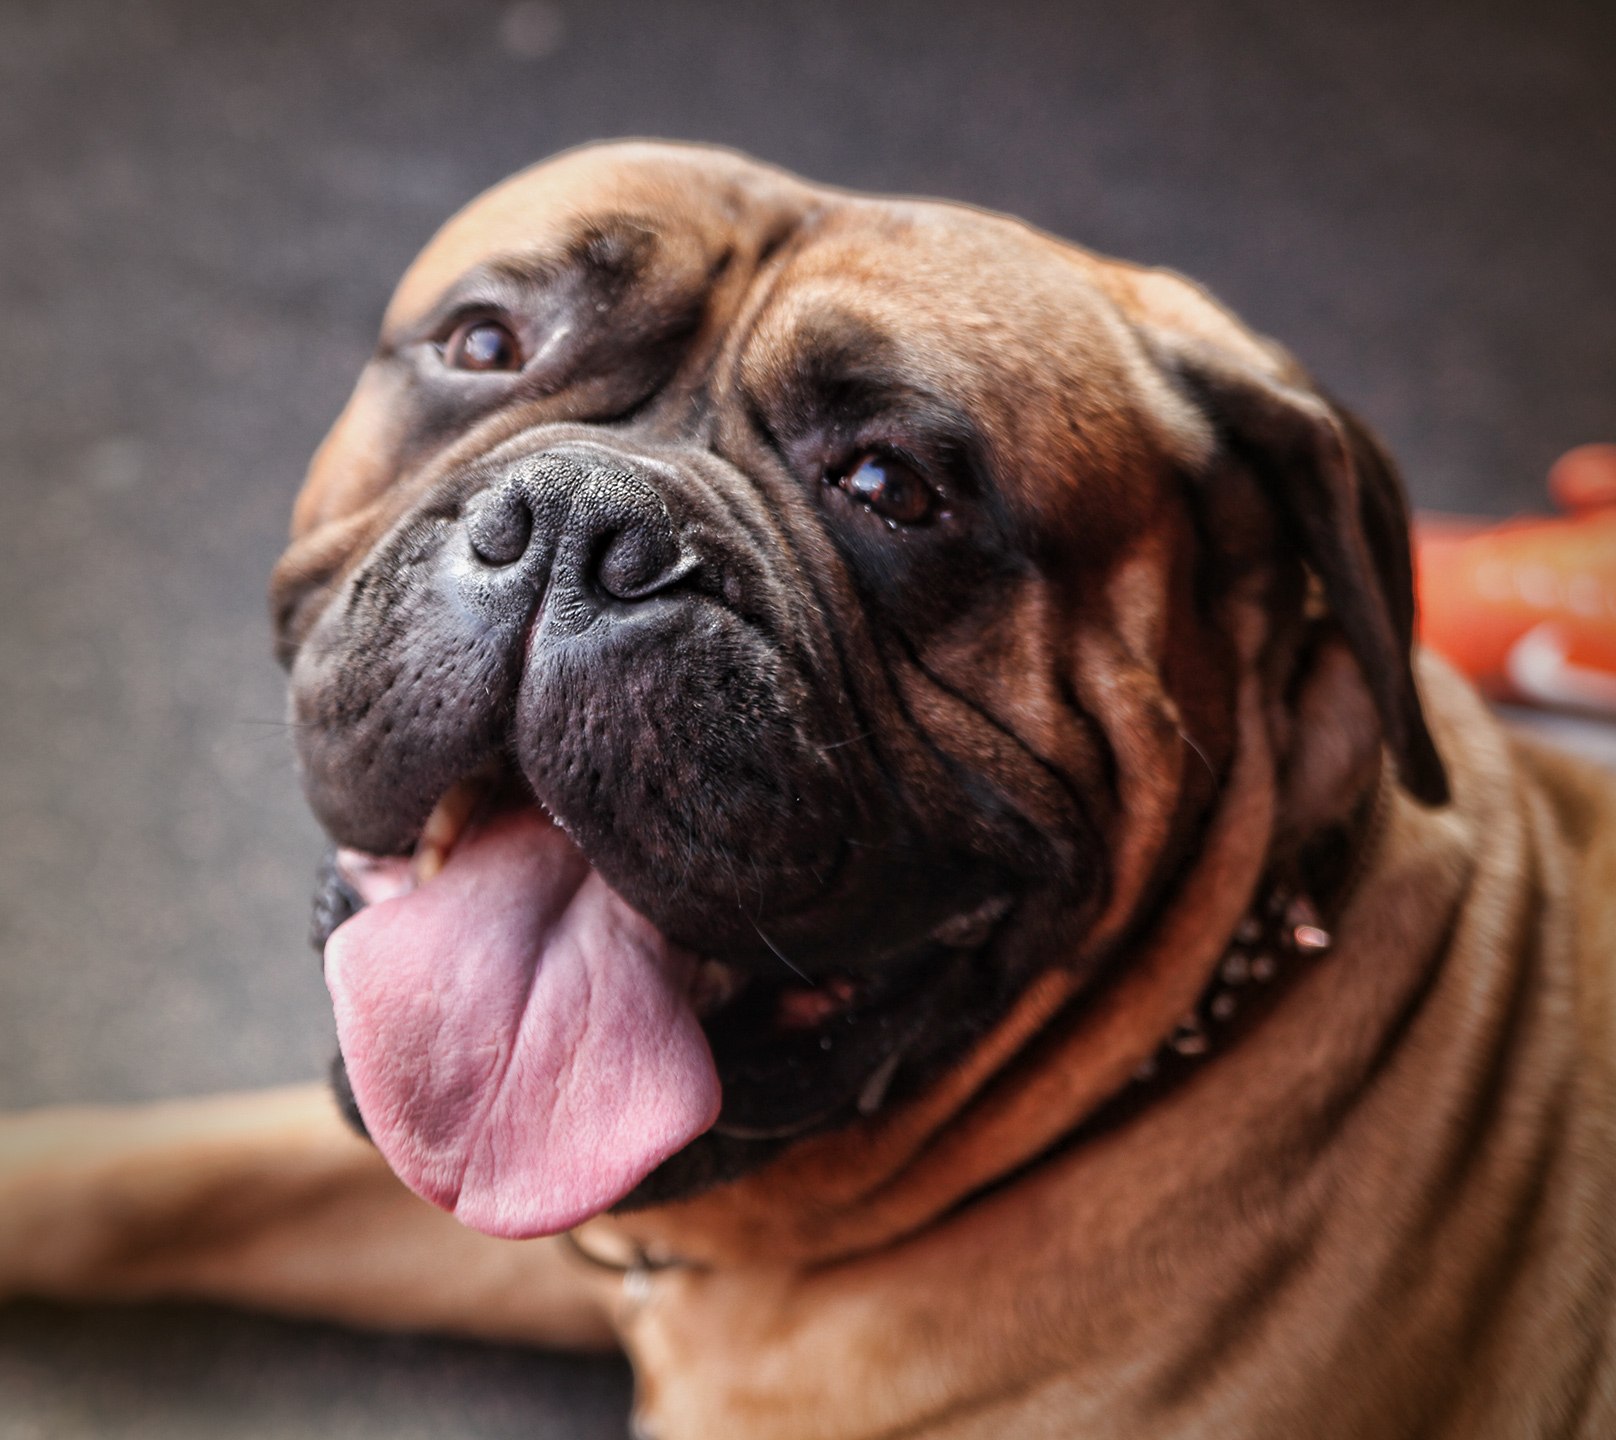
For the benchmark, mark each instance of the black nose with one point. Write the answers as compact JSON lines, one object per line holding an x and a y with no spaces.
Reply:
{"x":595,"y":528}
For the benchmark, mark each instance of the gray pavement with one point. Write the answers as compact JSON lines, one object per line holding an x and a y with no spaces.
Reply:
{"x":204,"y":206}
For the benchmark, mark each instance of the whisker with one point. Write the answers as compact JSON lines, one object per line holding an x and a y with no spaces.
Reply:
{"x":851,"y":740}
{"x":1217,"y":784}
{"x":781,"y":955}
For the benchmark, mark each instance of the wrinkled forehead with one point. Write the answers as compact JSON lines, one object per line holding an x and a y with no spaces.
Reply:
{"x":963,"y":306}
{"x":689,"y":195}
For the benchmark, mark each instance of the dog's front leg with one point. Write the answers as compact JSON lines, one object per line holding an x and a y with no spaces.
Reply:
{"x":265,"y":1200}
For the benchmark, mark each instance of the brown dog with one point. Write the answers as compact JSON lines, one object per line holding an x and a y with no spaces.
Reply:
{"x":930,"y":861}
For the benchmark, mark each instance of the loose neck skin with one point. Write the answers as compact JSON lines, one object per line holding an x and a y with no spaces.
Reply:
{"x":1033,"y":1080}
{"x":1316,"y":1234}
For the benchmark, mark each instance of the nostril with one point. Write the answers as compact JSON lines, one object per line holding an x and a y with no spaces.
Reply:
{"x":637,"y":562}
{"x":500,"y":528}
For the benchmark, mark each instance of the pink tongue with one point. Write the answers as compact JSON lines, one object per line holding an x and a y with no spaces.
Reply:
{"x":519,"y":1040}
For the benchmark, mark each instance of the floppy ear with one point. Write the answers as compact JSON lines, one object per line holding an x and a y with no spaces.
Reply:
{"x":1340,"y":502}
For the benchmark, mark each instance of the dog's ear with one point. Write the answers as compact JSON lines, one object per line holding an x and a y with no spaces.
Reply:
{"x":1340,"y":502}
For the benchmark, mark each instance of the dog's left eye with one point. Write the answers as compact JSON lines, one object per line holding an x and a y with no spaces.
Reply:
{"x":482,"y":345}
{"x":888,"y":486}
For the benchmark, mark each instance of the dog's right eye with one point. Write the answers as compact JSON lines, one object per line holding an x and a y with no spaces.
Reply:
{"x":482,"y":345}
{"x":891,"y":487}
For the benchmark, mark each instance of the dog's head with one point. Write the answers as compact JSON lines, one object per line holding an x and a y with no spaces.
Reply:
{"x":780,"y":623}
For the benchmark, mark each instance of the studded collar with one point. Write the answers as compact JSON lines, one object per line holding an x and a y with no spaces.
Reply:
{"x":1288,"y":929}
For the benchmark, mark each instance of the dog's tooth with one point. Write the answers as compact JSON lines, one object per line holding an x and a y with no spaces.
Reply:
{"x":443,"y":827}
{"x":428,"y":861}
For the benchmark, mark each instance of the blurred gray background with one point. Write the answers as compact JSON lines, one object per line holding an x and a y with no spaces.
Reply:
{"x":204,"y":207}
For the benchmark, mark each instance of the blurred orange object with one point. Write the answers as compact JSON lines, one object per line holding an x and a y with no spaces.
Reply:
{"x":1527,"y":607}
